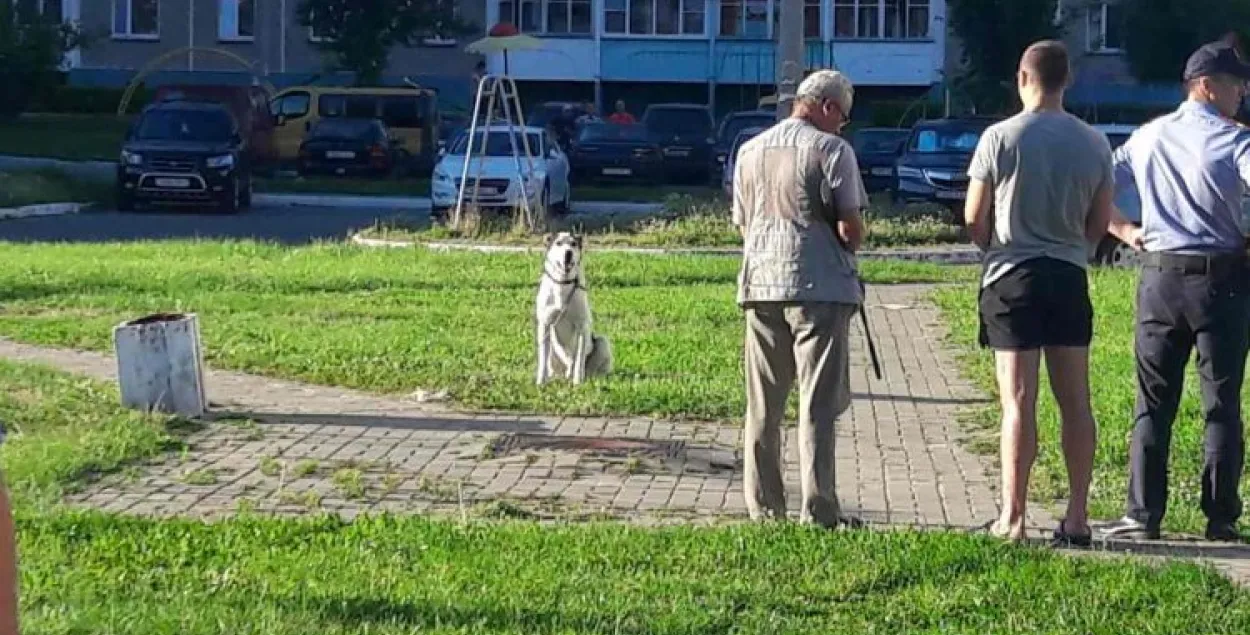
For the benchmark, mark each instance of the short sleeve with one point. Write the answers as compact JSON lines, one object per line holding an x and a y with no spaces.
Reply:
{"x":983,"y":159}
{"x":1122,"y":164}
{"x":1243,"y":160}
{"x":741,"y":185}
{"x":845,"y":184}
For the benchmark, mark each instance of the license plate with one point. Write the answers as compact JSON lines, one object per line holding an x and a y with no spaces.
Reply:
{"x":617,"y":171}
{"x":482,"y":191}
{"x":173,"y":182}
{"x":340,"y":154}
{"x":677,"y":153}
{"x":882,"y":172}
{"x":955,"y":196}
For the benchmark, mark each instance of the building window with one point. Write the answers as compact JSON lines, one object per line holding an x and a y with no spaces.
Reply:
{"x":236,"y":19}
{"x":568,"y":16}
{"x":653,"y":17}
{"x":745,"y":18}
{"x":554,"y":17}
{"x":1105,"y":28}
{"x":888,"y":19}
{"x":136,"y":19}
{"x":811,"y":19}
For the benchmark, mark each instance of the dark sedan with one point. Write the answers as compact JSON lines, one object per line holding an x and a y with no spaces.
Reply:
{"x":877,"y":149}
{"x":728,"y":132}
{"x":684,"y":133}
{"x":348,"y":146}
{"x":607,"y":151}
{"x":934,"y":165}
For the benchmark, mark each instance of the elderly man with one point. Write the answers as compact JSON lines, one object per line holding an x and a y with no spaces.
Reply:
{"x":797,"y":202}
{"x":1191,"y":168}
{"x":1040,"y":191}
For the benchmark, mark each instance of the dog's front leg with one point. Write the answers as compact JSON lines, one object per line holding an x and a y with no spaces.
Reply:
{"x":544,"y":355}
{"x":578,"y":372}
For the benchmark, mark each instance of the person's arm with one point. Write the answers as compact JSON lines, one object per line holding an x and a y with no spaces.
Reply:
{"x":1125,"y":230}
{"x":8,"y":568}
{"x":979,"y":208}
{"x":848,"y":196}
{"x":1101,"y":212}
{"x":978,"y":212}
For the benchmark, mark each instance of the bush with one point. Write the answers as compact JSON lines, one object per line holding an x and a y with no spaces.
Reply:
{"x":84,"y":100}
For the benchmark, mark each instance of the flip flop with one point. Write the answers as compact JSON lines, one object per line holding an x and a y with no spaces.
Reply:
{"x":1064,"y":539}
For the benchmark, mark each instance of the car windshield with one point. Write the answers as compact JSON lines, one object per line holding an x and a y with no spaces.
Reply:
{"x":734,"y":125}
{"x":880,"y":141}
{"x":342,"y":129}
{"x":946,"y":140}
{"x":184,"y":125}
{"x":688,"y":121}
{"x":612,"y":132}
{"x":498,"y":144}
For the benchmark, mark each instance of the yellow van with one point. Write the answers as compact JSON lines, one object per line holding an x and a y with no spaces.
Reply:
{"x":411,"y":114}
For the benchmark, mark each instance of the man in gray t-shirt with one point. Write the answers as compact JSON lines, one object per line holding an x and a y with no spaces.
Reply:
{"x":1040,"y":191}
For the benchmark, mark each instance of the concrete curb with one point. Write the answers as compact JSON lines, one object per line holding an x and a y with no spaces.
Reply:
{"x":958,"y":255}
{"x":46,"y":209}
{"x":420,"y":204}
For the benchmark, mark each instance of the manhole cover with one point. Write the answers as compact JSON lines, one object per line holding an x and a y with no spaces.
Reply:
{"x":510,"y":443}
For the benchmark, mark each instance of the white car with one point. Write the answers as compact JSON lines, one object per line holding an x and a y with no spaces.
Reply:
{"x":545,"y":178}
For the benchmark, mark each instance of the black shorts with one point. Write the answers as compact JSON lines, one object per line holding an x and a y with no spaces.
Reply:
{"x":1041,"y":302}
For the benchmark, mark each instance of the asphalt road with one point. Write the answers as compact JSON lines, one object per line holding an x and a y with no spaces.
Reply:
{"x":288,"y":225}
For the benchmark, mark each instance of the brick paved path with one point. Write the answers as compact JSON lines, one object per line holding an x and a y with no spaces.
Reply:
{"x":289,"y":448}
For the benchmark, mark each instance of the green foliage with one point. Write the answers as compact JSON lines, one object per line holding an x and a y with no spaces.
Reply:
{"x":358,"y":35}
{"x":1161,"y":34}
{"x":31,"y":49}
{"x":994,"y":33}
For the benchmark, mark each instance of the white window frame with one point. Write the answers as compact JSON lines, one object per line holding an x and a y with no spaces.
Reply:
{"x":130,"y":13}
{"x":544,"y":14}
{"x":235,"y":6}
{"x":905,"y":8}
{"x":1097,"y":42}
{"x":655,"y":17}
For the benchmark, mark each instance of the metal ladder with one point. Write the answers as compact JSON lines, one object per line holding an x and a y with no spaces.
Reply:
{"x":498,"y":90}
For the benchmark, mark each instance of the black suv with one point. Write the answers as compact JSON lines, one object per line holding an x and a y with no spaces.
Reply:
{"x":684,"y":134}
{"x":188,"y":152}
{"x":933,"y":167}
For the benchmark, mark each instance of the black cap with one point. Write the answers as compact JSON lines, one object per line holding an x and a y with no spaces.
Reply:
{"x":1217,"y":58}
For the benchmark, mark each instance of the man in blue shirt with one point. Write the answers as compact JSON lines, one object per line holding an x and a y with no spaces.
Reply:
{"x":1191,"y":168}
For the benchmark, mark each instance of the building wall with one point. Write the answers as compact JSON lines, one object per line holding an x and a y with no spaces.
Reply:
{"x":280,"y":48}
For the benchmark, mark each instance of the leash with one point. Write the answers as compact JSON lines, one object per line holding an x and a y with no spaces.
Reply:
{"x":863,"y":317}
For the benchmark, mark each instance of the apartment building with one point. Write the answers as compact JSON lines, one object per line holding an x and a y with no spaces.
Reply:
{"x":131,"y":34}
{"x":717,"y":51}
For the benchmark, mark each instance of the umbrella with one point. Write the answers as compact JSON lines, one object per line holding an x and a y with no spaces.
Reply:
{"x":503,"y":38}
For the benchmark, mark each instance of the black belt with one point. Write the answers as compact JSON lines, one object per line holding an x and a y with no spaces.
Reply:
{"x":1193,"y":264}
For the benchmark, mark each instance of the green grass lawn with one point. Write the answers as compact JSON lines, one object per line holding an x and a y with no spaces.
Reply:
{"x":396,"y":321}
{"x":699,"y":226}
{"x":50,"y":186}
{"x":1113,"y":390}
{"x":71,"y":137}
{"x":88,"y":572}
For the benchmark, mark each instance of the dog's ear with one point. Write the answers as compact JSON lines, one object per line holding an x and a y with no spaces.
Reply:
{"x":548,"y":239}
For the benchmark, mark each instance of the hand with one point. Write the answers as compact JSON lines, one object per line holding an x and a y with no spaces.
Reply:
{"x":1136,"y":239}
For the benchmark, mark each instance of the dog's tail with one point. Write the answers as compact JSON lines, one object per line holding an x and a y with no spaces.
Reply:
{"x":599,"y":361}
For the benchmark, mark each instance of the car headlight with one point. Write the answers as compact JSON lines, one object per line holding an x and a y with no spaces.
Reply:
{"x":939,"y":175}
{"x":223,"y":161}
{"x":131,"y":158}
{"x":905,"y":172}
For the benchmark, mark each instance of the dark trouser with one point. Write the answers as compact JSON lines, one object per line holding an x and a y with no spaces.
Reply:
{"x":1182,"y":305}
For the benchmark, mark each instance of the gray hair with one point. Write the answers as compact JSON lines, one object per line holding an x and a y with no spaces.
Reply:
{"x":827,"y":85}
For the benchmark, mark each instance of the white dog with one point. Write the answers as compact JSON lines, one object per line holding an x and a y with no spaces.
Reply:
{"x":566,"y":343}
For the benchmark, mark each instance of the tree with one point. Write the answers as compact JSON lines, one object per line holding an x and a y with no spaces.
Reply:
{"x":358,"y":35}
{"x":1159,"y":35}
{"x":32,"y":47}
{"x":994,"y":33}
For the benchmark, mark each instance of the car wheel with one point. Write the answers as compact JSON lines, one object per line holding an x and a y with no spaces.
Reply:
{"x":544,"y":201}
{"x":562,"y":208}
{"x":125,"y":200}
{"x":230,"y":200}
{"x":1113,"y":253}
{"x":245,"y":197}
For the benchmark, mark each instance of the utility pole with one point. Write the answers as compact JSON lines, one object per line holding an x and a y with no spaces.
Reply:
{"x":789,"y":55}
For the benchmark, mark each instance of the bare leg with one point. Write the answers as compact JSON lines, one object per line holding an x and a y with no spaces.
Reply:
{"x":8,"y":568}
{"x":1017,"y":388}
{"x":1069,"y":378}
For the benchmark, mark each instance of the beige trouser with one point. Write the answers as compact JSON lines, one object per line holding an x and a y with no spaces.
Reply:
{"x":787,"y":342}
